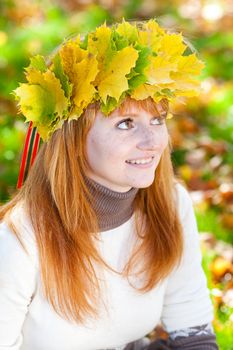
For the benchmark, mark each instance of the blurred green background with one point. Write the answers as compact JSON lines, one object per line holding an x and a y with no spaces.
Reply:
{"x":202,"y":129}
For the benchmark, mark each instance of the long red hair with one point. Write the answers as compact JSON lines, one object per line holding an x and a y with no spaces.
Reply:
{"x":55,"y":198}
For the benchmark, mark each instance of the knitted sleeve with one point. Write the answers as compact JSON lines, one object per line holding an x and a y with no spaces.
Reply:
{"x":193,"y":338}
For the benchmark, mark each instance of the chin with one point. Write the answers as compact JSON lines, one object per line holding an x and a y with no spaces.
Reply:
{"x":142,"y":184}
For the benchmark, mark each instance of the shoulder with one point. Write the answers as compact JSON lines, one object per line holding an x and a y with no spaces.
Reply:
{"x":186,"y":215}
{"x":183,"y":200}
{"x":18,"y":267}
{"x":21,"y":245}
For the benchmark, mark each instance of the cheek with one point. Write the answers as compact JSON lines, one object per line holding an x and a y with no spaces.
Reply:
{"x":163,"y":137}
{"x":94,"y":149}
{"x":101,"y":147}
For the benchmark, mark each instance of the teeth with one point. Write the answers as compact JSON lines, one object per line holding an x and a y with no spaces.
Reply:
{"x":141,"y":161}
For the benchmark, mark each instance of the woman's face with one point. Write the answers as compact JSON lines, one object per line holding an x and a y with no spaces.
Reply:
{"x":116,"y":142}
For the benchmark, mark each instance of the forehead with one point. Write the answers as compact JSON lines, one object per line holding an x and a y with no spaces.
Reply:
{"x":136,"y":108}
{"x":132,"y":108}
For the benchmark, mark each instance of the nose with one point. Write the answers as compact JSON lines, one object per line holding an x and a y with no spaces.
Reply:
{"x":149,"y":140}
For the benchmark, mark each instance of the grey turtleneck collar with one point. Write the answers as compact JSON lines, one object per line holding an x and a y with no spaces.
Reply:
{"x":112,"y":208}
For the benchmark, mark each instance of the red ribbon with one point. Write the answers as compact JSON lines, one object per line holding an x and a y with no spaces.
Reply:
{"x":29,"y":153}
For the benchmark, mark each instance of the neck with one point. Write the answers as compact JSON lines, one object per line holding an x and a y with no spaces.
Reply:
{"x":112,"y":208}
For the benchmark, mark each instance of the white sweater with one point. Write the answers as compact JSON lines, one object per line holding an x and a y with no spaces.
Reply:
{"x":28,"y":322}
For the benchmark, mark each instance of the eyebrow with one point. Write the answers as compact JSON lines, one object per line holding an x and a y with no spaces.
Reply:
{"x":132,"y":114}
{"x":123,"y":114}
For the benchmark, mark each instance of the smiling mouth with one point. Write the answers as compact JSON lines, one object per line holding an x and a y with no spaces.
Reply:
{"x":147,"y":160}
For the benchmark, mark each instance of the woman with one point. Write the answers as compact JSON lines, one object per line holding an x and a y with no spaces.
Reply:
{"x":100,"y":244}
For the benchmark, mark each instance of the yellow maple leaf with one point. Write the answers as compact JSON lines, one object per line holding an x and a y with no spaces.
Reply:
{"x":150,"y":35}
{"x":143,"y":91}
{"x":188,"y":88}
{"x":172,"y":46}
{"x":71,"y":54}
{"x":36,"y":106}
{"x":185,"y":84}
{"x":153,"y":27}
{"x":190,"y":65}
{"x":127,"y":30}
{"x":99,"y":43}
{"x":52,"y":85}
{"x":193,"y":91}
{"x":81,"y":66}
{"x":113,"y":82}
{"x":30,"y":98}
{"x":42,"y":100}
{"x":84,"y":90}
{"x":159,"y":70}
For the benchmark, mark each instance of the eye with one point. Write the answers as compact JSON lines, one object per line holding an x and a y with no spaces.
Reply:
{"x":158,"y":120}
{"x":124,"y":124}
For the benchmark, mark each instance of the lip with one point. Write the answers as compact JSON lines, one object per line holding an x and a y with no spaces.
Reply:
{"x":140,"y":158}
{"x":142,"y":166}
